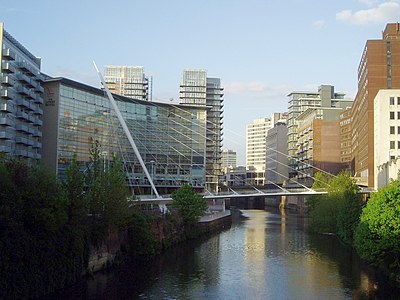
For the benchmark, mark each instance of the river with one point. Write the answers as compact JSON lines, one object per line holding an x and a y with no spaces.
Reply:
{"x":264,"y":255}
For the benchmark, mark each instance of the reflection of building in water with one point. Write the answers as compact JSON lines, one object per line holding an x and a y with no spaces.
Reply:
{"x":169,"y":137}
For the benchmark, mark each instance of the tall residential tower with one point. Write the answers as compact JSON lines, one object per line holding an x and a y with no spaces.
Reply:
{"x":21,"y":99}
{"x":196,"y":89}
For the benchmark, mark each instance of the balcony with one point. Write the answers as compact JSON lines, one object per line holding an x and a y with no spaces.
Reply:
{"x":5,"y":149}
{"x":21,"y":152}
{"x":7,"y":121}
{"x":7,"y":80}
{"x":24,"y":79}
{"x":23,"y":102}
{"x":21,"y":140}
{"x":8,"y":54}
{"x":38,"y":100}
{"x":22,"y":127}
{"x":4,"y":135}
{"x":37,"y":122}
{"x":26,"y":68}
{"x":7,"y":67}
{"x":38,"y":111}
{"x":22,"y":115}
{"x":37,"y":133}
{"x":37,"y":145}
{"x":7,"y":93}
{"x":7,"y":107}
{"x":22,"y":90}
{"x":39,"y":89}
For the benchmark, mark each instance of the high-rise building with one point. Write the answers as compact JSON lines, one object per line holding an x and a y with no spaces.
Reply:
{"x":128,"y":81}
{"x":256,"y":135}
{"x":379,"y":68}
{"x":21,"y":99}
{"x":386,"y":136}
{"x":276,"y":154}
{"x":199,"y":90}
{"x":345,"y":139}
{"x":318,"y":143}
{"x":228,"y":160}
{"x":169,"y":137}
{"x":298,"y":103}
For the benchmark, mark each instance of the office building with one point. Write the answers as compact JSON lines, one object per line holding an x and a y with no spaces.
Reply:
{"x":256,"y":135}
{"x":276,"y":154}
{"x":379,"y":68}
{"x":298,"y":103}
{"x":199,"y":90}
{"x":386,"y":136}
{"x":228,"y":160}
{"x":21,"y":99}
{"x":128,"y":81}
{"x":169,"y":137}
{"x":345,"y":138}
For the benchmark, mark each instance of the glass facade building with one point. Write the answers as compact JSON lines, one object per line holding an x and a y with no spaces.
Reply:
{"x":21,"y":99}
{"x":197,"y":89}
{"x":169,"y":137}
{"x":128,"y":81}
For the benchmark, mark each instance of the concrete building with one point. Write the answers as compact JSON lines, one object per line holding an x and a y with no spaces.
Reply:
{"x":169,"y":137}
{"x":345,"y":138}
{"x":318,"y":143}
{"x":298,"y":103}
{"x":128,"y":81}
{"x":276,"y":170}
{"x":228,"y":160}
{"x":256,"y":135}
{"x":386,"y":136}
{"x":21,"y":99}
{"x":199,"y":90}
{"x":379,"y":68}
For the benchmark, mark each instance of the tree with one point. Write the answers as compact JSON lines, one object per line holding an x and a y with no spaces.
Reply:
{"x":377,"y":237}
{"x":190,"y":205}
{"x":337,"y":212}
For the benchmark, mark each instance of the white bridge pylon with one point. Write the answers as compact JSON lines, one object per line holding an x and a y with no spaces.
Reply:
{"x":129,"y":136}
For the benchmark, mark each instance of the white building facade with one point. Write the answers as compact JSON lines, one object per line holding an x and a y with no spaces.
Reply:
{"x":386,"y":136}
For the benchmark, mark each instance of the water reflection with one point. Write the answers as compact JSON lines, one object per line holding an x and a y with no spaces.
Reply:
{"x":266,"y":255}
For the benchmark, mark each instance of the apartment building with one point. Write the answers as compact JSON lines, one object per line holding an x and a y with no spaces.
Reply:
{"x":21,"y":100}
{"x":298,"y":103}
{"x":276,"y":169}
{"x":228,"y":161}
{"x":345,"y":138}
{"x":199,"y":90}
{"x":379,"y":68}
{"x":318,"y":143}
{"x":128,"y":81}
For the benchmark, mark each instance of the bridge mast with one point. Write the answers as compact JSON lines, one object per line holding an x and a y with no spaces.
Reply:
{"x":126,"y":130}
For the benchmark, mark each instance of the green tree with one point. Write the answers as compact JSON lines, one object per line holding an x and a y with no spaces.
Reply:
{"x":377,"y":238}
{"x":106,"y":195}
{"x":337,"y":212}
{"x":190,"y":205}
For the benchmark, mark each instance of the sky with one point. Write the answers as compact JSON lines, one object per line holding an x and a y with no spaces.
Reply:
{"x":261,"y":49}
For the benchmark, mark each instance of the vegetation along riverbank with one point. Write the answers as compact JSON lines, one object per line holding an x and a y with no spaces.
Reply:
{"x":372,"y":227}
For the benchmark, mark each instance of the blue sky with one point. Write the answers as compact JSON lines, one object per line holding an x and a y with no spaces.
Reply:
{"x":261,"y":50}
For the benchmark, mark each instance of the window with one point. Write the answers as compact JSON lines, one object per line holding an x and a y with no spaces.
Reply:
{"x":391,"y":102}
{"x":392,"y":144}
{"x":398,"y":115}
{"x":392,"y":115}
{"x":398,"y":100}
{"x":392,"y":131}
{"x":398,"y":144}
{"x":392,"y":157}
{"x":398,"y":129}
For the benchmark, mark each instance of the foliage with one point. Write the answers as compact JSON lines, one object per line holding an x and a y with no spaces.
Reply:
{"x":337,"y":212}
{"x":40,"y":249}
{"x":377,"y":237}
{"x":190,"y":205}
{"x":142,"y":241}
{"x":106,"y":195}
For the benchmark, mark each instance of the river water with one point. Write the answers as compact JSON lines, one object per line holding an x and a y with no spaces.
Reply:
{"x":264,"y":255}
